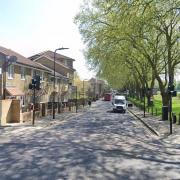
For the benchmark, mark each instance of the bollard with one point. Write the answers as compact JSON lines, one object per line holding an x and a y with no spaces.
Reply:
{"x":69,"y":106}
{"x":174,"y":118}
{"x":165,"y":113}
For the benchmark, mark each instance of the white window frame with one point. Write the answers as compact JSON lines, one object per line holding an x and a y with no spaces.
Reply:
{"x":42,"y":76}
{"x":11,"y":71}
{"x":23,"y":73}
{"x":33,"y":73}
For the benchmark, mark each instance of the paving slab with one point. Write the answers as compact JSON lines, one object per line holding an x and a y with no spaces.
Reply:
{"x":162,"y":128}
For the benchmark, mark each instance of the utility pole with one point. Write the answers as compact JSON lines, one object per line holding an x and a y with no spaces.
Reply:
{"x":34,"y":102}
{"x":83,"y":94}
{"x":54,"y":79}
{"x":35,"y":85}
{"x":170,"y":113}
{"x":144,"y":101}
{"x":171,"y":93}
{"x":76,"y":100}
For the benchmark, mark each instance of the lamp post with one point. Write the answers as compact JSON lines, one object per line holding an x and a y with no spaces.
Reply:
{"x":76,"y":100}
{"x":84,"y":92}
{"x":94,"y":90}
{"x":55,"y":79}
{"x":144,"y":101}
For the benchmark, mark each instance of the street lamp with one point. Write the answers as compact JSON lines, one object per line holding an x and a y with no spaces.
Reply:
{"x":84,"y":92}
{"x":55,"y":79}
{"x":144,"y":93}
{"x":94,"y":90}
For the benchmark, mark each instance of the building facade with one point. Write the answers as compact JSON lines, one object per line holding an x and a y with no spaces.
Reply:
{"x":63,"y":66}
{"x":16,"y":74}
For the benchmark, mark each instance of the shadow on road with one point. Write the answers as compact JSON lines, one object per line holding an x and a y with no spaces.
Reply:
{"x":95,"y":145}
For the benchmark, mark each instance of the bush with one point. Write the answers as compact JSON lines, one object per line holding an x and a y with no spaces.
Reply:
{"x":137,"y":103}
{"x":178,"y":95}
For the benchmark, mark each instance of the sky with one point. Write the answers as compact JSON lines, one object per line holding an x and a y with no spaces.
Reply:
{"x":32,"y":26}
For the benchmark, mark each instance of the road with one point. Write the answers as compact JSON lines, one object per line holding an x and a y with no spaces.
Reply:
{"x":95,"y":144}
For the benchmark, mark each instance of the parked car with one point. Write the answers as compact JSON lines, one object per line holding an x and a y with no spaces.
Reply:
{"x":119,"y":103}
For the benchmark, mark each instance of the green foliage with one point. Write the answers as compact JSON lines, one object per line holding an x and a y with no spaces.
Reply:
{"x":178,"y":86}
{"x":157,"y":107}
{"x":136,"y":102}
{"x":178,"y":95}
{"x":131,"y":42}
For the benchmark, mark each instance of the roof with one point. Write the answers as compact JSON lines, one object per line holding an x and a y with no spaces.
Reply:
{"x":40,"y":92}
{"x":119,"y":97}
{"x":52,"y":60}
{"x":51,"y":55}
{"x":14,"y":91}
{"x":21,"y":59}
{"x":56,"y":73}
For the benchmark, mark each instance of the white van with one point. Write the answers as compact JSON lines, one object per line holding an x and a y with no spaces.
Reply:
{"x":119,"y":103}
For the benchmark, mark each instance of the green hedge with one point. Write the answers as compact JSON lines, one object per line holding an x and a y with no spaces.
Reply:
{"x":154,"y":110}
{"x":137,"y":102}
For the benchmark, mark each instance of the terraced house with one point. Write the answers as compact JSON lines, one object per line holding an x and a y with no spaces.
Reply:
{"x":16,"y":73}
{"x":63,"y":67}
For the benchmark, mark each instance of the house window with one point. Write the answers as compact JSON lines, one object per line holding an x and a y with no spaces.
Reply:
{"x":22,"y":73}
{"x":32,"y":73}
{"x":69,"y":64}
{"x":10,"y":71}
{"x":42,"y":76}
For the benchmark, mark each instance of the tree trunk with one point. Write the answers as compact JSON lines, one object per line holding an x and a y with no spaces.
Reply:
{"x":165,"y":98}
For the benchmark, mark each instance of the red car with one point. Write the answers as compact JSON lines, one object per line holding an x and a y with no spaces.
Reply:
{"x":107,"y":97}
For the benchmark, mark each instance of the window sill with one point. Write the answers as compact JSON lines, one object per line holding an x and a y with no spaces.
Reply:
{"x":10,"y":78}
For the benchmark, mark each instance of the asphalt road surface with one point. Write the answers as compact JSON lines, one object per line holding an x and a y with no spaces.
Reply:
{"x":95,"y":144}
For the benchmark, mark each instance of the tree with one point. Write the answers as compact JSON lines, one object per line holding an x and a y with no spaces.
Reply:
{"x":136,"y":37}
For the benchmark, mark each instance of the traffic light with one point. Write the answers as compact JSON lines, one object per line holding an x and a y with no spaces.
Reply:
{"x":174,"y":93}
{"x":171,"y":87}
{"x":36,"y":82}
{"x":171,"y":90}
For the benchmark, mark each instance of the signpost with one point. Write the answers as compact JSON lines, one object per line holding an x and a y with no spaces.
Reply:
{"x":35,"y":85}
{"x":74,"y":89}
{"x":172,"y":93}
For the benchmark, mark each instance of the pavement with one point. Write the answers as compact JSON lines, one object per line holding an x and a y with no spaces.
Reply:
{"x":43,"y":121}
{"x":158,"y":126}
